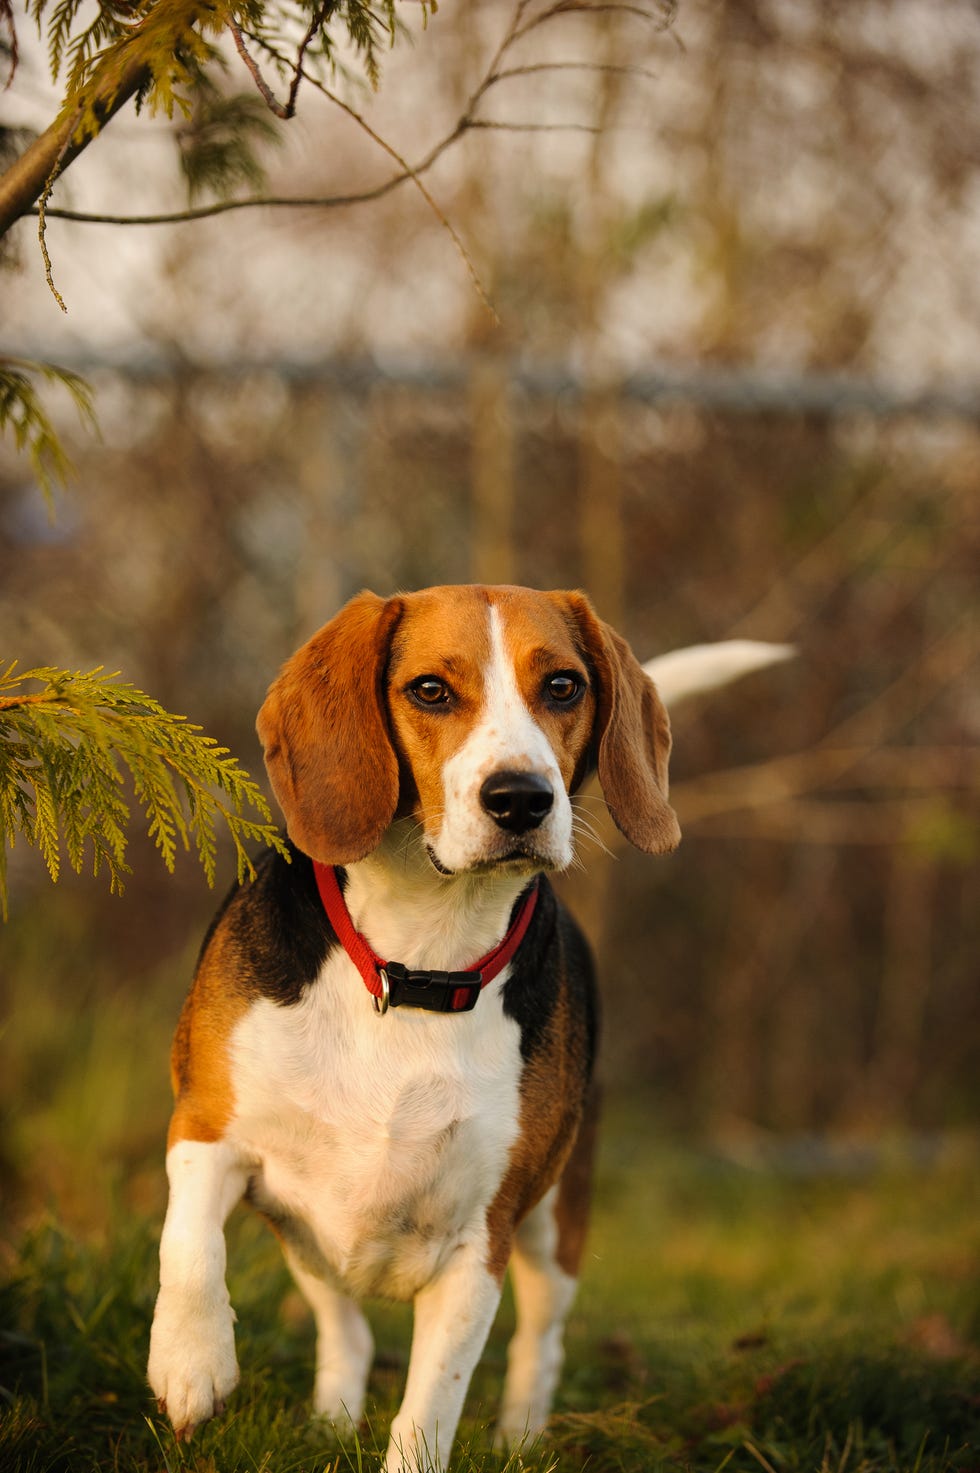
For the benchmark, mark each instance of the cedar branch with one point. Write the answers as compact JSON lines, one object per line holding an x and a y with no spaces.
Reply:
{"x":23,"y":184}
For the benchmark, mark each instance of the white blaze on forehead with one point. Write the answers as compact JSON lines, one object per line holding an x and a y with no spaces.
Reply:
{"x":523,"y":745}
{"x":505,"y":738}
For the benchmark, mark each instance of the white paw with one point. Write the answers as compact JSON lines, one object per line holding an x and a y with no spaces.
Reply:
{"x":409,"y":1452}
{"x":192,"y":1367}
{"x":340,"y":1401}
{"x":518,"y":1425}
{"x":341,"y":1404}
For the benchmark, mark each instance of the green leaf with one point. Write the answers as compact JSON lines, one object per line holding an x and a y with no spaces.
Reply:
{"x":65,"y":751}
{"x":23,"y":414}
{"x":217,"y":144}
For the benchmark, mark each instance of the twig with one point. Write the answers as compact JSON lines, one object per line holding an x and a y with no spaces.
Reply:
{"x":663,"y":21}
{"x":14,"y":703}
{"x":572,"y":66}
{"x":758,"y":785}
{"x":224,"y":207}
{"x":945,"y":660}
{"x":494,"y":74}
{"x":7,"y":20}
{"x":413,"y":175}
{"x":815,"y":821}
{"x":315,"y":24}
{"x":775,"y":799}
{"x":365,"y":196}
{"x":286,"y":110}
{"x":408,"y":171}
{"x":42,"y":204}
{"x":268,"y":95}
{"x":503,"y":127}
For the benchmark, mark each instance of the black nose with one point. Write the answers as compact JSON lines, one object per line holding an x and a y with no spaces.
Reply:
{"x":517,"y":801}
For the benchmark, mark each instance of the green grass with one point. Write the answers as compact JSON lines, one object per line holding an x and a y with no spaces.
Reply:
{"x":728,"y":1317}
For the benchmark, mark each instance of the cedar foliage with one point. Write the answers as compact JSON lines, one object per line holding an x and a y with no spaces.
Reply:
{"x":64,"y":748}
{"x":65,"y":751}
{"x":165,"y":54}
{"x":22,"y":411}
{"x":174,"y":40}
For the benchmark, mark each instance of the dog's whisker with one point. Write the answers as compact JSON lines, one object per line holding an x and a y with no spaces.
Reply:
{"x":584,"y":831}
{"x":578,"y":806}
{"x":409,"y":839}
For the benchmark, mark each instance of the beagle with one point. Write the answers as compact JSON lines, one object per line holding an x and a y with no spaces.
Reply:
{"x":388,"y":1046}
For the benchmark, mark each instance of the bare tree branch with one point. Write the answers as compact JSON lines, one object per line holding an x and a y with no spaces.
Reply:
{"x":663,"y":19}
{"x":764,"y":784}
{"x":505,"y":127}
{"x":464,"y":124}
{"x":226,"y":206}
{"x":412,"y":174}
{"x":571,"y":66}
{"x":286,"y":110}
{"x":814,"y":821}
{"x":61,"y":147}
{"x":60,"y":144}
{"x":268,"y":96}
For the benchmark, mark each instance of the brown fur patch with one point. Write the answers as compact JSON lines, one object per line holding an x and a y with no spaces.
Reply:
{"x":347,"y":748}
{"x":633,"y":734}
{"x":443,"y":633}
{"x":575,"y":1189}
{"x":269,"y":940}
{"x":539,"y":640}
{"x":552,"y":1090}
{"x":324,"y":731}
{"x":200,"y":1063}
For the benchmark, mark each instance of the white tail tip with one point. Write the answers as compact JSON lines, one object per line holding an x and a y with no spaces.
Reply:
{"x":703,"y":667}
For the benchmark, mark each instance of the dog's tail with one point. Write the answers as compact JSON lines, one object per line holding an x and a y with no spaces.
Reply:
{"x":704,"y":667}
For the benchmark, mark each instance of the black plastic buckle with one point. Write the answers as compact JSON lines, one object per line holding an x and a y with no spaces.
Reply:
{"x":436,"y":992}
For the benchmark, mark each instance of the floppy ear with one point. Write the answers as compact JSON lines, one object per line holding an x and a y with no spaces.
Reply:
{"x":631,"y":740}
{"x":324,"y":731}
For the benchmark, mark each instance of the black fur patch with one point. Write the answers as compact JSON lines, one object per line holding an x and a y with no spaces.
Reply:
{"x":553,"y":955}
{"x":279,"y":928}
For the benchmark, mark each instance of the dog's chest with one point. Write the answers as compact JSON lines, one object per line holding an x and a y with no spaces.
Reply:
{"x":378,"y":1142}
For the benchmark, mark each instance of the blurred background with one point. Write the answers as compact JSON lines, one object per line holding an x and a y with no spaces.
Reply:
{"x":732,"y":391}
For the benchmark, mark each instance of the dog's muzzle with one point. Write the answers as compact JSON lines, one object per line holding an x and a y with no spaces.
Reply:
{"x":517,"y":801}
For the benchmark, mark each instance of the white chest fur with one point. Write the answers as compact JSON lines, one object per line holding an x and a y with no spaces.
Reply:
{"x":377,"y":1142}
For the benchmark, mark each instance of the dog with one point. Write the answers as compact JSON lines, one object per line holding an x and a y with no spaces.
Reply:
{"x":389,"y":1045}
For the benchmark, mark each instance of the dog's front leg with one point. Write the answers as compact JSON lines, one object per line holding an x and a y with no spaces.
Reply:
{"x":453,"y":1315}
{"x":192,"y":1344}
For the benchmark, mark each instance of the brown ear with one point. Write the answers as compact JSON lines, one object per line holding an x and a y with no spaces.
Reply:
{"x":631,"y":740}
{"x":324,"y":730}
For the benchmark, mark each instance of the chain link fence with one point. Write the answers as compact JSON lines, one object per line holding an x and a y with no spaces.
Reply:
{"x":808,"y":958}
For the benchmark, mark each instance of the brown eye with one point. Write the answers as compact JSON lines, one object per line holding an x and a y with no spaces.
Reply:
{"x":563,"y":687}
{"x":429,"y":690}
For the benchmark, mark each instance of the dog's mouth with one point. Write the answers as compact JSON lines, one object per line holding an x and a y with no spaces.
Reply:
{"x":436,"y":863}
{"x":520,"y":859}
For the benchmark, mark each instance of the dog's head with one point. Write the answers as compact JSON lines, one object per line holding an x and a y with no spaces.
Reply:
{"x":479,"y":712}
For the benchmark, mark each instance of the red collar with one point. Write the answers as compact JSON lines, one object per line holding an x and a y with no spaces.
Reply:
{"x":392,"y":985}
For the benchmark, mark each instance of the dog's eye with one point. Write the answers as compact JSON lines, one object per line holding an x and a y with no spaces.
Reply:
{"x":429,"y":690}
{"x":563,"y":687}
